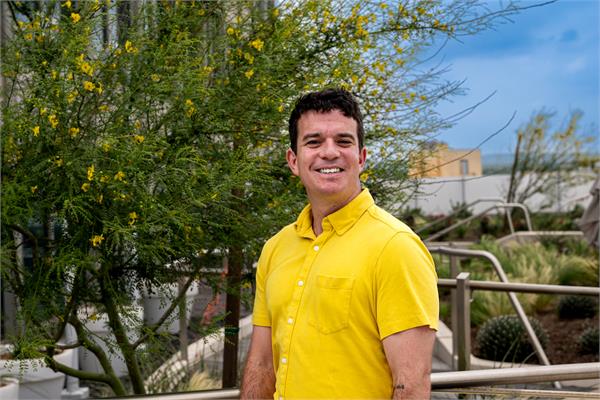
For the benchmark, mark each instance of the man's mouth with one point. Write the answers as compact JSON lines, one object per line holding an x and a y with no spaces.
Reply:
{"x":329,"y":170}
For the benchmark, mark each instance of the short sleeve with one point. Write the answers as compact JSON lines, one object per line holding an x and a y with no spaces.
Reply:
{"x":406,"y":286}
{"x":260,"y":314}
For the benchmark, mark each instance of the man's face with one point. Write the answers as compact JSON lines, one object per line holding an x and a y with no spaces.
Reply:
{"x":328,"y":159}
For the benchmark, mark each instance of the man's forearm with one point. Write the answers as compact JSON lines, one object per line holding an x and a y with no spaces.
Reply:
{"x":417,"y":389}
{"x":258,"y":381}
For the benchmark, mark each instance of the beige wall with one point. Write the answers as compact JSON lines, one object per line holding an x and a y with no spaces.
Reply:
{"x":446,"y":162}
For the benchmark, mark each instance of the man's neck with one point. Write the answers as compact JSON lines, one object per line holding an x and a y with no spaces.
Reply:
{"x":321,"y":209}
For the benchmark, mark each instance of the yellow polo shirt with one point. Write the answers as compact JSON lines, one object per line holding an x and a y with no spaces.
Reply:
{"x":331,"y":299}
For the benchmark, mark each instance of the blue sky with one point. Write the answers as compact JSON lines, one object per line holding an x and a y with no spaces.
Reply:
{"x":546,"y":58}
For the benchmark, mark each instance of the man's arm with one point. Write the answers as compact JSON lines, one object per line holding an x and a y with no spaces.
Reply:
{"x":258,"y":381}
{"x":409,"y":356}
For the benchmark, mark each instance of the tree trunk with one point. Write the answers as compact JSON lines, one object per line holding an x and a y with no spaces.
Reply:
{"x":232,"y":317}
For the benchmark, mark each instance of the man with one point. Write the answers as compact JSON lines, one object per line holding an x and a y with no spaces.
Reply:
{"x":346,"y":297}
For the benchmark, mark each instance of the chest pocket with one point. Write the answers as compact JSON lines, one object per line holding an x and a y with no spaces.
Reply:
{"x":330,"y":306}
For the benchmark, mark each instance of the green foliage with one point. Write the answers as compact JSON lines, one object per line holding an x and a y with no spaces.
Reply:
{"x":165,"y":144}
{"x":504,"y":338}
{"x":589,"y":341}
{"x":571,"y":307}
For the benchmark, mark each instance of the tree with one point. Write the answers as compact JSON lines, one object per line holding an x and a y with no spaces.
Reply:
{"x":165,"y":145}
{"x":545,"y":159}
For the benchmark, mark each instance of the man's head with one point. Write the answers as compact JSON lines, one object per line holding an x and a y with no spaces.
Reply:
{"x":324,"y":101}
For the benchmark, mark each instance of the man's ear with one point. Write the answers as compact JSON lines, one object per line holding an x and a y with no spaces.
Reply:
{"x":362,"y":157}
{"x":292,"y":161}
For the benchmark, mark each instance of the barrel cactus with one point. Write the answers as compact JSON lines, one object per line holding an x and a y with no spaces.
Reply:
{"x":589,"y":341}
{"x":504,"y":338}
{"x":570,"y":307}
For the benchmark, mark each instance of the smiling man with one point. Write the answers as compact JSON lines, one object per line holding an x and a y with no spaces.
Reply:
{"x":346,"y":297}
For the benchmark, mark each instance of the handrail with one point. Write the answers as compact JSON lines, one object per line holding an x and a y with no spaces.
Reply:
{"x":524,"y":287}
{"x":511,"y":295}
{"x":439,"y":380}
{"x":461,"y":208}
{"x":499,"y":376}
{"x":472,"y":217}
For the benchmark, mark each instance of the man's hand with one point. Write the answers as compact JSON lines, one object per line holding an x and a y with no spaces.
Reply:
{"x":409,"y":356}
{"x":258,"y":381}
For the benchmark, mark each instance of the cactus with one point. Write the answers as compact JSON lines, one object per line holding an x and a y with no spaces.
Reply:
{"x":570,"y":307}
{"x":504,"y":338}
{"x":589,"y":341}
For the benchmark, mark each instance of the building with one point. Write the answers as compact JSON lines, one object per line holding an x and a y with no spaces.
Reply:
{"x":441,"y":161}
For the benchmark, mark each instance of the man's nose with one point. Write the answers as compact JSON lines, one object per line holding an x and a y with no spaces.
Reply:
{"x":329,"y":149}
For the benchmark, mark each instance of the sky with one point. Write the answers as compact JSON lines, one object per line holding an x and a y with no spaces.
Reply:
{"x":546,"y":58}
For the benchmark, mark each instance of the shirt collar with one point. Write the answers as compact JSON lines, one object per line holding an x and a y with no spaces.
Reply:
{"x":341,"y":220}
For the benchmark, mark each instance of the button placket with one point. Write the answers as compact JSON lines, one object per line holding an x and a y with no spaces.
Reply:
{"x":303,"y":274}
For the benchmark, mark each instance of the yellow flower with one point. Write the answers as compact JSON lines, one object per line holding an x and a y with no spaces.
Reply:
{"x":106,"y":147}
{"x":36,"y":130}
{"x":43,"y":111}
{"x":249,"y":57}
{"x":53,"y":120}
{"x":67,"y":4}
{"x":103,"y":108}
{"x":230,"y":31}
{"x":34,"y":189}
{"x":58,"y":162}
{"x":100,"y":198}
{"x":71,"y":96}
{"x":137,"y":124}
{"x":73,"y":132}
{"x":54,"y":74}
{"x":90,"y":172}
{"x":99,"y":88}
{"x":190,"y":111}
{"x":208,"y":69}
{"x":257,"y":44}
{"x":104,"y":178}
{"x":87,"y":69}
{"x":85,"y":187}
{"x":75,"y":17}
{"x":189,"y":103}
{"x":249,"y":73}
{"x":28,"y":36}
{"x":129,"y":47}
{"x":276,"y":12}
{"x":97,"y":240}
{"x":119,"y":176}
{"x":89,"y":86}
{"x":138,"y":139}
{"x":280,"y":108}
{"x":364,"y":176}
{"x":155,"y":77}
{"x":132,"y":217}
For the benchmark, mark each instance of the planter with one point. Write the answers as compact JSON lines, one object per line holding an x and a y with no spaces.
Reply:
{"x":9,"y":388}
{"x":157,"y":302}
{"x":36,"y":381}
{"x":102,"y":335}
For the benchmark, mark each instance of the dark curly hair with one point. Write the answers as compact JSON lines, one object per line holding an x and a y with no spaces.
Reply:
{"x":324,"y":101}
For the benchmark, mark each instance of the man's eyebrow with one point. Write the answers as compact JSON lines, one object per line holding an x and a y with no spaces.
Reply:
{"x":309,"y":136}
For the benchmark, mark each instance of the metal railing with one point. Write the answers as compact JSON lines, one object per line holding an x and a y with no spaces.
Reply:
{"x":506,"y":206}
{"x":458,"y":210}
{"x":463,"y":305}
{"x":444,"y":380}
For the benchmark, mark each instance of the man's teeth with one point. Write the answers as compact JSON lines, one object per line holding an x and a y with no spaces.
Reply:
{"x":329,"y":170}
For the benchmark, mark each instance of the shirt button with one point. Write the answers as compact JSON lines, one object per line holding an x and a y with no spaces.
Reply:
{"x":283,"y":360}
{"x":316,"y":248}
{"x":290,"y":321}
{"x":300,"y":283}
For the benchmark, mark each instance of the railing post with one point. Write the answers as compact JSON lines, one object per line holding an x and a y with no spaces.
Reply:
{"x":463,"y":333}
{"x":454,"y":270}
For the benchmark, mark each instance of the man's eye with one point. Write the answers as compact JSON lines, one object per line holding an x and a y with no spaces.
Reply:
{"x":312,"y":142}
{"x":345,"y":142}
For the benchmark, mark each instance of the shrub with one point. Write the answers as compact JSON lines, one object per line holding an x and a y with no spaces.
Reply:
{"x":589,"y":341}
{"x":570,"y":307}
{"x":504,"y":338}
